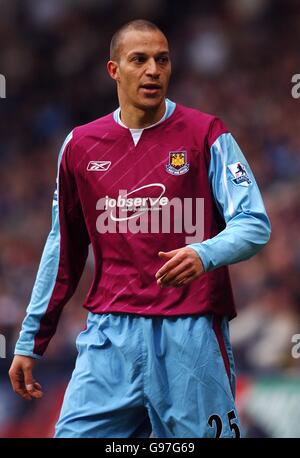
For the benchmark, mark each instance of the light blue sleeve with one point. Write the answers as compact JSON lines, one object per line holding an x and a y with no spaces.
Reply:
{"x":239,"y":201}
{"x":45,"y":279}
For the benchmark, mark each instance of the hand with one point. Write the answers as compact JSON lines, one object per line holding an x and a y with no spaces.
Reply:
{"x":182,"y":266}
{"x":21,"y":378}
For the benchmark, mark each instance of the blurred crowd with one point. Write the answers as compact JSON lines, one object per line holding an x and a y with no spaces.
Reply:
{"x":232,"y":58}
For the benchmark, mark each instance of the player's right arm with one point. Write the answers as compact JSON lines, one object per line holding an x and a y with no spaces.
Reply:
{"x":59,"y":272}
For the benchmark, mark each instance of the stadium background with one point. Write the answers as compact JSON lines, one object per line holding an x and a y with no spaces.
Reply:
{"x":232,"y":58}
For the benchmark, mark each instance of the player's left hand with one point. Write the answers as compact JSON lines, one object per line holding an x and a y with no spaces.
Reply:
{"x":182,"y":266}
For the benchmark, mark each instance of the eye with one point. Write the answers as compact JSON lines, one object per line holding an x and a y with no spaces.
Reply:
{"x":163,"y":59}
{"x":138,"y":59}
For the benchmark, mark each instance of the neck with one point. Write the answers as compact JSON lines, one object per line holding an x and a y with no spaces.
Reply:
{"x":137,"y":118}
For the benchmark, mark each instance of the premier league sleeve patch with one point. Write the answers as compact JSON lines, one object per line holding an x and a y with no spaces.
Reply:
{"x":240,"y":174}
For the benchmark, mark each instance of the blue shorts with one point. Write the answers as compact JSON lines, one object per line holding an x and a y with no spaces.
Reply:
{"x":169,"y":376}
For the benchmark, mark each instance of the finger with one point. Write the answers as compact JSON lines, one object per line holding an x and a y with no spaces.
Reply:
{"x":17,"y":382}
{"x":37,"y":392}
{"x":186,"y":281}
{"x":173,"y":273}
{"x":34,"y":386}
{"x":182,"y":279}
{"x":190,"y":273}
{"x":19,"y":388}
{"x":183,"y":275}
{"x":23,"y":393}
{"x":30,"y":384}
{"x":168,"y":266}
{"x":168,"y":254}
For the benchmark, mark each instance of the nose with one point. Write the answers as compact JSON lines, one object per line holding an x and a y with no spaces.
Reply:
{"x":152,"y":68}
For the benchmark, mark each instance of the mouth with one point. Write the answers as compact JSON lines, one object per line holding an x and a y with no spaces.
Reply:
{"x":151,"y":88}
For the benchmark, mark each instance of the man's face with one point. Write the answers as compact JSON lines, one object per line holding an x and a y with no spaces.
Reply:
{"x":143,"y":69}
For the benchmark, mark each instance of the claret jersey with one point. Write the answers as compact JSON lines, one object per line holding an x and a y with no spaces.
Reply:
{"x":183,"y":181}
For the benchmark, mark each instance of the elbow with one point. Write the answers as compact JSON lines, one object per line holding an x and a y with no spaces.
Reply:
{"x":263,"y":234}
{"x":256,"y":235}
{"x":266,"y":231}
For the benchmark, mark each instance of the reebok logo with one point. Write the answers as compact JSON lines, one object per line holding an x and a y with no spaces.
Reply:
{"x":98,"y":166}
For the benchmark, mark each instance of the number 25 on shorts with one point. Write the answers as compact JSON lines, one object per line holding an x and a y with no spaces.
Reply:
{"x":216,"y":421}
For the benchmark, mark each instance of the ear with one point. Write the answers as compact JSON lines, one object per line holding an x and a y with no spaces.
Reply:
{"x":113,"y":69}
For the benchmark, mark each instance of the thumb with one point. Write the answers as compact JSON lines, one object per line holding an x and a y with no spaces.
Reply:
{"x":167,"y":254}
{"x":33,"y":388}
{"x":28,"y":379}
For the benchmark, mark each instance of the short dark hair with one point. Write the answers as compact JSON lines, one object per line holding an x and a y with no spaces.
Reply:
{"x":137,"y":24}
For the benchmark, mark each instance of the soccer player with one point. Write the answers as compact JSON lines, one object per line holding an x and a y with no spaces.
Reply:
{"x":167,"y":200}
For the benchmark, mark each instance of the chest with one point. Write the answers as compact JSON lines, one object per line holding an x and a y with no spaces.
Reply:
{"x":166,"y":165}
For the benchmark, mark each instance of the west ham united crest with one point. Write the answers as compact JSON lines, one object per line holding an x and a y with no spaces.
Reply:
{"x":177,"y":163}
